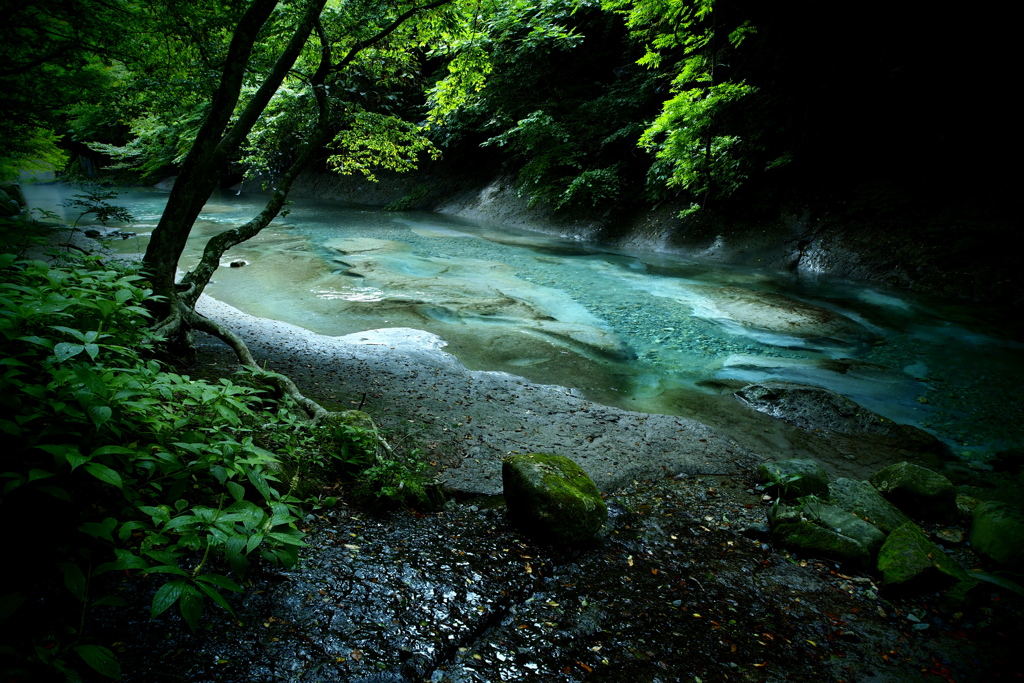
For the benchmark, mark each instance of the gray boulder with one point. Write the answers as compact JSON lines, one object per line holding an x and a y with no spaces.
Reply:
{"x":551,"y":498}
{"x":861,"y":498}
{"x":918,"y":491}
{"x":997,"y":531}
{"x":845,"y":523}
{"x":794,"y":478}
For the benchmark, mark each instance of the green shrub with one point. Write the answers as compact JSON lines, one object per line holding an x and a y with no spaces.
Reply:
{"x":137,"y":468}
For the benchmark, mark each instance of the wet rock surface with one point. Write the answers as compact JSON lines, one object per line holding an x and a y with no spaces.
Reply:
{"x":403,"y":376}
{"x":684,"y":582}
{"x":794,"y":477}
{"x":840,"y":429}
{"x":672,"y":590}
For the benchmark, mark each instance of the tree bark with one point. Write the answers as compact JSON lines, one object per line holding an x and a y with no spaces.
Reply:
{"x":200,"y":172}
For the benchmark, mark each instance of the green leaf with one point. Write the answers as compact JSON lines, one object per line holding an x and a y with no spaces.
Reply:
{"x":236,"y":490}
{"x":191,"y":606}
{"x":166,"y":569}
{"x":111,"y":601}
{"x":56,"y":492}
{"x":93,"y":350}
{"x":102,"y":529}
{"x":100,"y":414}
{"x":166,"y":596}
{"x":104,"y":474}
{"x":39,"y":341}
{"x":254,"y":542}
{"x":63,"y":351}
{"x":221,"y":581}
{"x":260,"y":483}
{"x":101,"y":659}
{"x":35,"y":474}
{"x":215,"y":596}
{"x":125,"y":560}
{"x":158,"y":514}
{"x":165,"y":557}
{"x":9,"y":603}
{"x":288,"y":538}
{"x":74,"y":579}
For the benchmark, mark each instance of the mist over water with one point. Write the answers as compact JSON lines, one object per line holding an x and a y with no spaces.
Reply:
{"x":643,"y":331}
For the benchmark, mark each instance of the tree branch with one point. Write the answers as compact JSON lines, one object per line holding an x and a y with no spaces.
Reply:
{"x":199,"y":277}
{"x":384,"y":33}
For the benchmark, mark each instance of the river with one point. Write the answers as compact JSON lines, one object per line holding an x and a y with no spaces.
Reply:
{"x":639,"y":330}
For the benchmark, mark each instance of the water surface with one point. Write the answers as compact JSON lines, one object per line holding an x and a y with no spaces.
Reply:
{"x":639,"y":330}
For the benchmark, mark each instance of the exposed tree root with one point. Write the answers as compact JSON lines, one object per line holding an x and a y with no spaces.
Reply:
{"x":317,"y":414}
{"x":282,"y":383}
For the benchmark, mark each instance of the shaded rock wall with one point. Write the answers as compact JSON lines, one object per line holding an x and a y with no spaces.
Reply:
{"x":914,"y":250}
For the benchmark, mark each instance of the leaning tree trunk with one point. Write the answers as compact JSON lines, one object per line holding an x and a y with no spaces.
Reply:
{"x":216,"y":142}
{"x":199,"y":175}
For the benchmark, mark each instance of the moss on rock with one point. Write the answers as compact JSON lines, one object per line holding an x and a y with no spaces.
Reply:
{"x":997,"y":531}
{"x":863,"y":500}
{"x":551,"y":498}
{"x":821,"y":542}
{"x":918,"y":491}
{"x":909,"y":561}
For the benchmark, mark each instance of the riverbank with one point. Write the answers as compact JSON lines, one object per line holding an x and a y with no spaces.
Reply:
{"x":403,"y":377}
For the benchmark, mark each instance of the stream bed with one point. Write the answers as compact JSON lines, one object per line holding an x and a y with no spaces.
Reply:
{"x":643,"y":331}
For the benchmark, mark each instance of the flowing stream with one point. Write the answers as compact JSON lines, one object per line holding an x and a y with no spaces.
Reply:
{"x":640,"y":330}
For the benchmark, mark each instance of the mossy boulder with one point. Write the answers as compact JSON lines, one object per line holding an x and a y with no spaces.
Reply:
{"x":790,"y":524}
{"x":997,"y":531}
{"x":918,"y":491}
{"x":794,"y":478}
{"x":551,"y":498}
{"x":845,"y":523}
{"x":863,"y":500}
{"x":910,"y":562}
{"x":818,"y":541}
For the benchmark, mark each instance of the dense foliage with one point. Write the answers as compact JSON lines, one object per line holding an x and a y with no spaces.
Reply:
{"x":126,"y":466}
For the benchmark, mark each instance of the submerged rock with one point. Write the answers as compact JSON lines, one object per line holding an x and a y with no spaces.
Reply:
{"x":998,"y":532}
{"x":551,"y":498}
{"x":774,"y":313}
{"x":918,"y":490}
{"x":848,"y":439}
{"x":861,"y":498}
{"x":909,"y":561}
{"x":794,"y":477}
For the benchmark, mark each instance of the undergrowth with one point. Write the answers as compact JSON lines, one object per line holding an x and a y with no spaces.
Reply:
{"x":114,"y":463}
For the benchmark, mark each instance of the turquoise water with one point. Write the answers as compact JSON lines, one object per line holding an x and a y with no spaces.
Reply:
{"x":639,"y":330}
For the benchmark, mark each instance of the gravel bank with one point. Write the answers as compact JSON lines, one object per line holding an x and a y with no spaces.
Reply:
{"x":404,"y":375}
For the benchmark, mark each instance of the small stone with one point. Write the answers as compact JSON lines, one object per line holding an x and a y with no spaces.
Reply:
{"x":950,"y":535}
{"x":238,"y":264}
